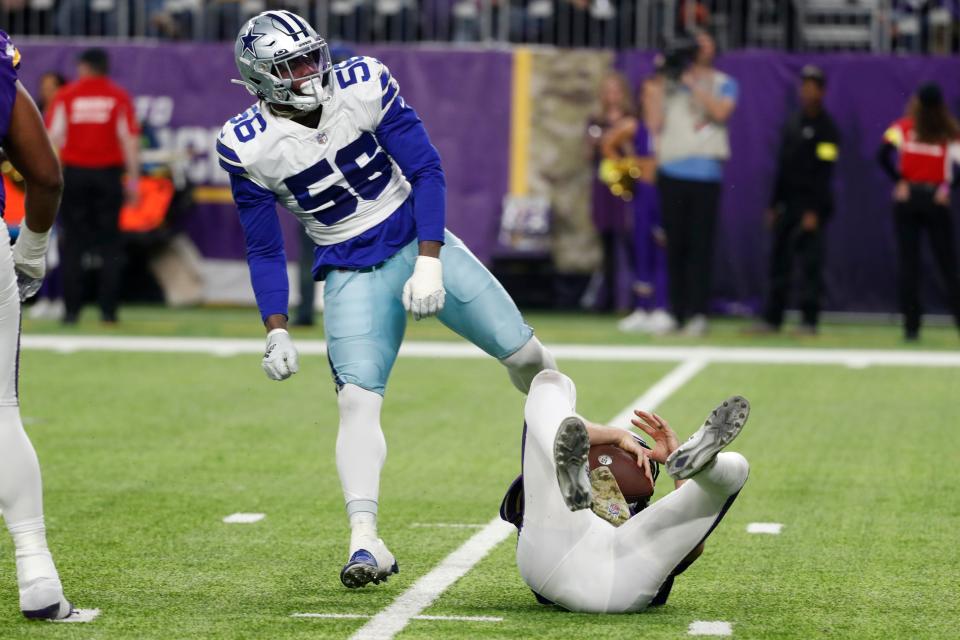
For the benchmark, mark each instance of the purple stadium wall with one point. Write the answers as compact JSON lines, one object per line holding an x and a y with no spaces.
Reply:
{"x":464,"y":99}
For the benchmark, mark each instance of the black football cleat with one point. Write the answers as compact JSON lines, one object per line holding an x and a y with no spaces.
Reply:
{"x":571,"y":448}
{"x":718,"y":430}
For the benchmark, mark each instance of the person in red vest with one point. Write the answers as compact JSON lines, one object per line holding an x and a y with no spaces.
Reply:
{"x":928,"y":142}
{"x":92,"y":121}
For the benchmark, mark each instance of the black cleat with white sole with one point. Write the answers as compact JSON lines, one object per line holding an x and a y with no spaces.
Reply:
{"x":571,"y":449}
{"x":56,"y":611}
{"x":718,"y":430}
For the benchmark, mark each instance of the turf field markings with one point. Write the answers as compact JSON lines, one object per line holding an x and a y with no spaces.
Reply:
{"x":408,"y":605}
{"x":446,"y":525}
{"x":710,"y":628}
{"x":81,"y":615}
{"x":660,"y":391}
{"x":771,"y":528}
{"x":599,"y":353}
{"x":392,"y":620}
{"x":362,"y":616}
{"x":244,"y":518}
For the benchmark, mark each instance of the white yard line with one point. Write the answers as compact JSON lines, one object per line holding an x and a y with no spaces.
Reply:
{"x":445,"y":525}
{"x":428,"y":588}
{"x":771,"y":528}
{"x":81,"y":615}
{"x":710,"y":628}
{"x":244,"y":518}
{"x":365,"y":616}
{"x":856,"y":358}
{"x":408,"y":606}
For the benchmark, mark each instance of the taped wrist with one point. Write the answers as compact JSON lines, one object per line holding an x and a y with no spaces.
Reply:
{"x":31,"y":247}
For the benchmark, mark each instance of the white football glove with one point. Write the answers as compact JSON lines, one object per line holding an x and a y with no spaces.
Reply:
{"x":30,"y":260}
{"x":280,"y":359}
{"x":423,"y":294}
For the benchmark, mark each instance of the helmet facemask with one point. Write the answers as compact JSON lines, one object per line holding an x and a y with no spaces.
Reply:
{"x":293,"y":81}
{"x":302,"y":79}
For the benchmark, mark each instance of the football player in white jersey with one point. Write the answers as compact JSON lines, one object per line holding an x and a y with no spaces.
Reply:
{"x":22,"y":267}
{"x":569,"y":555}
{"x":339,"y":148}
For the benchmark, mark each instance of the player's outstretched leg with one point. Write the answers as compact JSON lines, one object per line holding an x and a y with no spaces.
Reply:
{"x":361,"y":452}
{"x":570,"y":450}
{"x":41,"y":594}
{"x":719,"y":429}
{"x":479,"y":309}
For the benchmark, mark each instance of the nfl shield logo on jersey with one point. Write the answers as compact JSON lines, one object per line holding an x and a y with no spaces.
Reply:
{"x":322,"y":138}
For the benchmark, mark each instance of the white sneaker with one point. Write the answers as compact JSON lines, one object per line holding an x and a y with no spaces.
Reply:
{"x":56,"y":309}
{"x":636,"y":322}
{"x":43,"y":599}
{"x":39,"y":309}
{"x":660,"y":323}
{"x":41,"y":594}
{"x":696,"y":326}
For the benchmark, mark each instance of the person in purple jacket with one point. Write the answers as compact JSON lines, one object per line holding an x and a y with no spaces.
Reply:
{"x":22,"y":267}
{"x":649,"y":256}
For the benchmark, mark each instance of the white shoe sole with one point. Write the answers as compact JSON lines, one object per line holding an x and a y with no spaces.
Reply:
{"x":571,"y":449}
{"x":720,"y":428}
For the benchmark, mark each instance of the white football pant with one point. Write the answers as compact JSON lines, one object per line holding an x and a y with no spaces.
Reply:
{"x":582,"y":562}
{"x":21,"y":496}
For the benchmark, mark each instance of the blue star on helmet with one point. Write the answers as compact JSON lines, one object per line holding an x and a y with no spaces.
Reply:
{"x":248,"y":39}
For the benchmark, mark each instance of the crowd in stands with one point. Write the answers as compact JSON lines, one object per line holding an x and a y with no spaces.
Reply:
{"x":914,"y":26}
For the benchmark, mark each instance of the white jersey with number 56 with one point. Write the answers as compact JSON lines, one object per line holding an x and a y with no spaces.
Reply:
{"x":336,"y":179}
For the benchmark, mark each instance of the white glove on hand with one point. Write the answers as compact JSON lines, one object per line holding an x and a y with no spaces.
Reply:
{"x":423,"y":294}
{"x":280,"y":359}
{"x":30,"y":260}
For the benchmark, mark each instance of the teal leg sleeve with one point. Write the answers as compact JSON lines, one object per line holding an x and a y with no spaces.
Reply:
{"x":477,"y":306}
{"x":364,"y":321}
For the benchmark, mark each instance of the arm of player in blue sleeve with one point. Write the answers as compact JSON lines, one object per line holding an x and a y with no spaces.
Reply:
{"x":265,"y":256}
{"x":402,"y":135}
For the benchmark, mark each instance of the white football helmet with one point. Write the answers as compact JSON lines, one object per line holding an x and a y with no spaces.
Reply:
{"x":283,"y":61}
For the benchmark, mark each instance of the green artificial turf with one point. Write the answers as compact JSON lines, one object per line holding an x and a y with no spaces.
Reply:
{"x":144,"y":454}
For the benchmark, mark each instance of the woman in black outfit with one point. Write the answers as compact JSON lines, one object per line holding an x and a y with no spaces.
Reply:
{"x":928,"y":142}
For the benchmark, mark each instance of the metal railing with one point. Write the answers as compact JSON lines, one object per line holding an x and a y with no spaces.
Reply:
{"x":805,"y":25}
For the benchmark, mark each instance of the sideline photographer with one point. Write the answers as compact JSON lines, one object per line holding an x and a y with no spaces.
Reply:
{"x":687,"y":106}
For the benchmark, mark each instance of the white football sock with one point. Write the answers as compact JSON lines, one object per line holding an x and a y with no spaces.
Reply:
{"x":361,"y":452}
{"x":526,"y":362}
{"x":726,"y":473}
{"x":21,"y":501}
{"x":363,"y":530}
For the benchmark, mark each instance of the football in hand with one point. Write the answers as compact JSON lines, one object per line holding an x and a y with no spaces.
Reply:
{"x":631,"y":479}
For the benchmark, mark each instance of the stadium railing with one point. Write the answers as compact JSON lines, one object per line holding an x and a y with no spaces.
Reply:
{"x":805,"y":25}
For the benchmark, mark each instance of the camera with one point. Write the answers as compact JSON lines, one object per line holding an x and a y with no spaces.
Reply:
{"x":677,"y":56}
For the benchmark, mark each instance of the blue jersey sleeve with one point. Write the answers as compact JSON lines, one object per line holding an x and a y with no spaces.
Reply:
{"x":403,"y":136}
{"x":265,"y":255}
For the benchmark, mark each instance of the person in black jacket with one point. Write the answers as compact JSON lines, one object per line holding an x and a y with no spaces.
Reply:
{"x":801,"y":204}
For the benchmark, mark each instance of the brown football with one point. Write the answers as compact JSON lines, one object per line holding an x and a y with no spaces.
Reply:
{"x":633,"y":483}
